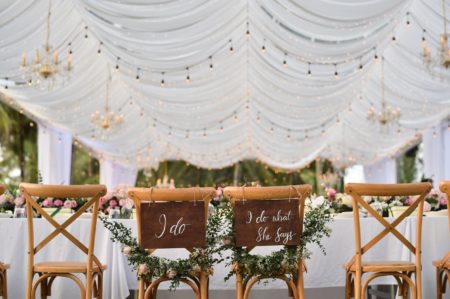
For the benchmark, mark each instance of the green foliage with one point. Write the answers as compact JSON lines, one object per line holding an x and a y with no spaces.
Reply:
{"x":283,"y":261}
{"x":150,"y":266}
{"x":406,"y":166}
{"x":85,"y":168}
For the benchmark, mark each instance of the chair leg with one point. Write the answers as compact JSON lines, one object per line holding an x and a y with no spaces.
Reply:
{"x":300,"y":284}
{"x":100,"y":285}
{"x":4,"y":286}
{"x":348,"y":285}
{"x":239,"y":286}
{"x":357,"y":283}
{"x":43,"y":288}
{"x":438,"y":283}
{"x":204,"y":285}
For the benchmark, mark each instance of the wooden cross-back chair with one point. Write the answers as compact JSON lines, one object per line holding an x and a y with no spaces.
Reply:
{"x":92,"y":269}
{"x":401,"y":270}
{"x":296,"y":285}
{"x":443,"y":265}
{"x":198,"y":283}
{"x":3,"y":268}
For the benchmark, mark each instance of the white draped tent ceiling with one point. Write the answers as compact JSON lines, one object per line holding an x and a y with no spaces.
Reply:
{"x":256,"y":101}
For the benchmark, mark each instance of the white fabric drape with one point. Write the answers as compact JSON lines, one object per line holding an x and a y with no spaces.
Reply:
{"x":113,"y":174}
{"x":54,"y":155}
{"x":249,"y":104}
{"x":436,"y":153}
{"x":381,"y":172}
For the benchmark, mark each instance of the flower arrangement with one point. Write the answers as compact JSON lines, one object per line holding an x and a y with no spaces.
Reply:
{"x":149,"y":266}
{"x":59,"y":203}
{"x":9,"y":200}
{"x":283,"y":261}
{"x":117,"y":199}
{"x":337,"y":202}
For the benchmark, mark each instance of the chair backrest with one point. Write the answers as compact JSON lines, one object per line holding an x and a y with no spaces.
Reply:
{"x":300,"y":192}
{"x":91,"y":193}
{"x":444,"y":186}
{"x":359,"y":190}
{"x":148,"y":195}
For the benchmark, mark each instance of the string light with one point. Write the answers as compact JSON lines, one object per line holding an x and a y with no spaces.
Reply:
{"x":99,"y":51}
{"x":248,"y":31}
{"x":86,"y":32}
{"x":375,"y":56}
{"x":263,"y":48}
{"x":284,"y":61}
{"x":309,"y":69}
{"x":137,"y":74}
{"x":211,"y":67}
{"x":188,"y":78}
{"x":70,"y":48}
{"x":336,"y":74}
{"x":162,"y":79}
{"x":360,"y":64}
{"x":231,"y":46}
{"x":408,"y":22}
{"x":394,"y":39}
{"x":117,"y":63}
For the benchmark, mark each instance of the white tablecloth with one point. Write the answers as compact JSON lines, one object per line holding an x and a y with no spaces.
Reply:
{"x":323,"y":271}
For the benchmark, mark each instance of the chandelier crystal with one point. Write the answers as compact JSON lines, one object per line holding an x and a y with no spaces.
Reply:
{"x":387,"y":114}
{"x":107,"y":120}
{"x":46,"y":69}
{"x":442,"y":58}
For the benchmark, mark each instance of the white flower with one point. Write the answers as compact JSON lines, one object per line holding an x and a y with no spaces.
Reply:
{"x":126,"y":251}
{"x":143,"y":269}
{"x":317,"y":202}
{"x":346,"y":200}
{"x":171,"y":273}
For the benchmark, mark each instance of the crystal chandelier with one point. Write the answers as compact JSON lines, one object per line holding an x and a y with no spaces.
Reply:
{"x":108,"y":119}
{"x":387,"y":115}
{"x":442,"y":59}
{"x":44,"y":70}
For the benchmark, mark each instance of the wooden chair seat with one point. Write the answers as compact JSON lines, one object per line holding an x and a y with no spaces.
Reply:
{"x":4,"y":266}
{"x":65,"y":267}
{"x":384,"y":266}
{"x":439,"y":264}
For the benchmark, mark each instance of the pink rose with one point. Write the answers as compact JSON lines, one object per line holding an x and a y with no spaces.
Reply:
{"x":426,"y":206}
{"x":142,"y":269}
{"x":122,"y":202}
{"x":74,"y":204}
{"x":409,"y":201}
{"x":113,"y":203}
{"x":19,"y":201}
{"x":58,"y":203}
{"x":385,"y":198}
{"x":68,"y":204}
{"x":48,"y":202}
{"x":331,"y":193}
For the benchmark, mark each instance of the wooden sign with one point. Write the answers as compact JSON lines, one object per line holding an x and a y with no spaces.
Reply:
{"x":267,"y":222}
{"x":173,"y":224}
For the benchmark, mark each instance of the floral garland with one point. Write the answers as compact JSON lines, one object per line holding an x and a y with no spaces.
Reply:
{"x":283,"y":261}
{"x":149,"y":266}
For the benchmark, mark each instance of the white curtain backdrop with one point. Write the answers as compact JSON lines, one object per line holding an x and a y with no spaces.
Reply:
{"x":436,"y":153}
{"x":54,"y":155}
{"x":113,"y":174}
{"x":381,"y":172}
{"x":213,"y":82}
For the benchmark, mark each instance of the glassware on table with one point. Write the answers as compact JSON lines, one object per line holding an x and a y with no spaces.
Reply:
{"x":19,"y":213}
{"x":114,"y":213}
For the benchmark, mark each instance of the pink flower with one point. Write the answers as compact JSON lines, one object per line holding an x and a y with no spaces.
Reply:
{"x":385,"y":198}
{"x":48,"y":202}
{"x":442,"y":200}
{"x":113,"y":203}
{"x":122,"y":202}
{"x":142,"y":269}
{"x":331,"y":193}
{"x":426,"y":207}
{"x":409,"y":201}
{"x":58,"y":203}
{"x":19,"y":201}
{"x":126,"y":251}
{"x":68,"y":204}
{"x":74,"y":204}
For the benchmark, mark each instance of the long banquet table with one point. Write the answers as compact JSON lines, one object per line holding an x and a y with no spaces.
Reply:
{"x":323,"y":271}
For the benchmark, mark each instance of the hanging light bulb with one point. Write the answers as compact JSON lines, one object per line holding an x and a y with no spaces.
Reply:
{"x":188,"y":78}
{"x":137,"y":74}
{"x":85,"y":33}
{"x":211,"y":67}
{"x":284,"y":61}
{"x":309,"y":70}
{"x":336,"y":74}
{"x":408,"y":22}
{"x":162,"y":80}
{"x":231,"y":46}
